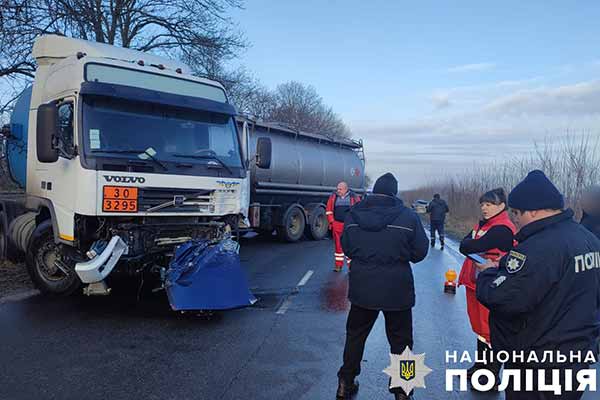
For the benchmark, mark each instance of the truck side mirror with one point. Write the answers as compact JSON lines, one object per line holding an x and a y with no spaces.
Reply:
{"x":46,"y":132}
{"x":263,"y":153}
{"x":244,"y":140}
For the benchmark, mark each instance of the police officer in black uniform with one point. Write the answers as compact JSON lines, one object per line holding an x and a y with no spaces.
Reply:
{"x":545,"y":295}
{"x":383,"y":238}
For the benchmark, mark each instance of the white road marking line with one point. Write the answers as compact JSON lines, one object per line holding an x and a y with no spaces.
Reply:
{"x":19,"y":296}
{"x":306,"y":277}
{"x":284,"y":307}
{"x":288,"y":302}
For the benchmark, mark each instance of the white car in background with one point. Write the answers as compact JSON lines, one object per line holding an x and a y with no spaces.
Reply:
{"x":420,"y":206}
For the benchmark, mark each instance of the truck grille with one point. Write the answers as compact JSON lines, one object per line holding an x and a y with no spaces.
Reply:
{"x":195,"y":199}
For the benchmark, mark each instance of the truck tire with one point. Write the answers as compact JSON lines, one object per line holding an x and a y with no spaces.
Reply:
{"x":42,"y":256}
{"x":317,"y":226}
{"x":293,"y":224}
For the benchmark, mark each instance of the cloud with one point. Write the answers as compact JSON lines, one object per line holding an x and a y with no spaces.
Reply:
{"x":472,"y":67}
{"x":503,"y":127}
{"x":441,"y":100}
{"x":573,"y":100}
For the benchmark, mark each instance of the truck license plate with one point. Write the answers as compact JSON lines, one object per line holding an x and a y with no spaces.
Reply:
{"x":121,"y":199}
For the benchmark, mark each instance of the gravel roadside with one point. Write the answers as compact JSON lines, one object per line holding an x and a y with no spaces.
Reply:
{"x":13,"y":279}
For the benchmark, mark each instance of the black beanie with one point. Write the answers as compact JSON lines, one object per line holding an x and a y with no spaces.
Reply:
{"x":386,"y":184}
{"x":536,"y":192}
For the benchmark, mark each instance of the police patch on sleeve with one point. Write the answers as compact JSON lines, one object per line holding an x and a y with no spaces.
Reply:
{"x":515,"y":262}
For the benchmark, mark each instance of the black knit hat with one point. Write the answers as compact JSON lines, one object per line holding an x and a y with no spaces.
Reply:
{"x":536,"y":192}
{"x":386,"y":184}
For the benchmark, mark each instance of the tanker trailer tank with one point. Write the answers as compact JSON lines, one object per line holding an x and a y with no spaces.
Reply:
{"x":16,"y":142}
{"x":305,"y":168}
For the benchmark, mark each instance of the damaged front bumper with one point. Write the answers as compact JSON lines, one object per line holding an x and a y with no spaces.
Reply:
{"x":98,"y":268}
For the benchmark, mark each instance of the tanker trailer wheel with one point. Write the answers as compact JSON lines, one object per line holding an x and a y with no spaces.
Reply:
{"x":49,"y":270}
{"x":293,"y":224}
{"x":318,"y":226}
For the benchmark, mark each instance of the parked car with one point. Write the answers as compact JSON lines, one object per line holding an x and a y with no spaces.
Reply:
{"x":420,"y":206}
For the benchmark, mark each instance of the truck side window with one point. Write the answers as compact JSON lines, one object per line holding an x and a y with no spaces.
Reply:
{"x":65,"y":125}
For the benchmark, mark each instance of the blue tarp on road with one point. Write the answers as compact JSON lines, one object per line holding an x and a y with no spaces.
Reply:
{"x":207,"y":276}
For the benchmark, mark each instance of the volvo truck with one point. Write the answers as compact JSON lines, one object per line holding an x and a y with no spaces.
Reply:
{"x":123,"y":156}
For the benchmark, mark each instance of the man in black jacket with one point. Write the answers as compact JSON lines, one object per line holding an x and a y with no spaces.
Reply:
{"x":382,"y":237}
{"x":545,"y":295}
{"x":591,"y":210}
{"x":437,"y":209}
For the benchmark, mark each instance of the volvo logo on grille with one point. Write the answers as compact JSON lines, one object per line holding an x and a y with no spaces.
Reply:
{"x":178,"y":201}
{"x":124,"y":179}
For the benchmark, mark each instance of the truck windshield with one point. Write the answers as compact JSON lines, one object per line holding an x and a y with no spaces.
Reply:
{"x":166,"y":133}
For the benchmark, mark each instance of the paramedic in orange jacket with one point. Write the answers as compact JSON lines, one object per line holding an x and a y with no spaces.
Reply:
{"x":337,"y":206}
{"x":491,"y":238}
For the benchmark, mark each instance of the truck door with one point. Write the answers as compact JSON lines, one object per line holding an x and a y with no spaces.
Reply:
{"x":57,"y":181}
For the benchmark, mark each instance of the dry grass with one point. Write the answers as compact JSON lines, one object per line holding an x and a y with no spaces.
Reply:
{"x":572,"y":163}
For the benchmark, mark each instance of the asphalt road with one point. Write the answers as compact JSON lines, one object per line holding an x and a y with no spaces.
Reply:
{"x":288,"y":346}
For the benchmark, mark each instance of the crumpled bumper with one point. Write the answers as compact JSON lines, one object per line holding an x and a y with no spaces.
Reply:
{"x":100,"y":266}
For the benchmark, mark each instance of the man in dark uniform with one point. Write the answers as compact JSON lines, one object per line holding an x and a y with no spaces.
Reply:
{"x":382,"y":237}
{"x":437,"y":209}
{"x":591,"y":210}
{"x":545,"y":295}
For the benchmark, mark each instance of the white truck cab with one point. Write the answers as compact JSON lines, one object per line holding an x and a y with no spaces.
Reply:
{"x":128,"y":155}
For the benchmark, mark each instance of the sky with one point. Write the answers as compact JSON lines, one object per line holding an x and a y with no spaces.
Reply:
{"x":431,"y":86}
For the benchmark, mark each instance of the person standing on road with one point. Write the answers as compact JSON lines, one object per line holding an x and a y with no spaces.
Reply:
{"x":591,"y":210}
{"x":545,"y":294}
{"x":437,"y":210}
{"x":338,"y":205}
{"x":491,"y":238}
{"x":382,"y":237}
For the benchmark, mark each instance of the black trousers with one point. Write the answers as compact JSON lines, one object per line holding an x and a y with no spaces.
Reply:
{"x":439,"y":227}
{"x":398,"y":327}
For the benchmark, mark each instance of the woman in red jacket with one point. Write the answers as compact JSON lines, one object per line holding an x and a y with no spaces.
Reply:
{"x":491,"y":238}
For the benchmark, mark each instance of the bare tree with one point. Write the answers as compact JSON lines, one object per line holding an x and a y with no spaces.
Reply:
{"x":301,"y":106}
{"x":196,"y":31}
{"x":244,"y":90}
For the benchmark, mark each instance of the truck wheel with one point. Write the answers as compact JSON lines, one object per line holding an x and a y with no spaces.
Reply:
{"x":49,"y":270}
{"x":293,"y":225}
{"x":317,"y":224}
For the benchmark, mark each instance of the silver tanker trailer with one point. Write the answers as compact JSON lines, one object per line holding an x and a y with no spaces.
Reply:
{"x":289,"y":197}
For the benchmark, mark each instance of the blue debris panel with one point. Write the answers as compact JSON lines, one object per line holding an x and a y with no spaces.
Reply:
{"x":204,"y":275}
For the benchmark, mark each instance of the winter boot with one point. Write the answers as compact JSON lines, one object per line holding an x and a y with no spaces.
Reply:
{"x":402,"y":396}
{"x":346,"y":389}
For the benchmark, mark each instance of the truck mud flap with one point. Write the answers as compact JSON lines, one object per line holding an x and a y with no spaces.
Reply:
{"x":207,"y":276}
{"x":100,"y":266}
